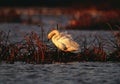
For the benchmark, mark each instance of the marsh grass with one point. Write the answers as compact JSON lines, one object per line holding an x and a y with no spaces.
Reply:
{"x":32,"y":49}
{"x":115,"y":43}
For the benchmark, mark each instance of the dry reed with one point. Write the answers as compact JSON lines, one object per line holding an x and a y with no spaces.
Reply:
{"x":33,"y":49}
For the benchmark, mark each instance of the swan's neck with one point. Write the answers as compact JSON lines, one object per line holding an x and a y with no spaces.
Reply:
{"x":53,"y":34}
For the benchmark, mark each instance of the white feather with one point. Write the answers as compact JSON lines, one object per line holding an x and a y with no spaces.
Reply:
{"x":64,"y":41}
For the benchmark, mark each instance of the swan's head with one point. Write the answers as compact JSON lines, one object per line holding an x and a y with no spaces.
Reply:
{"x":52,"y":33}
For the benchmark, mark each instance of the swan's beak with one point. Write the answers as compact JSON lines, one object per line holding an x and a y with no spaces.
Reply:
{"x":48,"y":39}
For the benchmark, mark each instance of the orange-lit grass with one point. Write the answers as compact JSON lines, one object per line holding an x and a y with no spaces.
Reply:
{"x":30,"y":50}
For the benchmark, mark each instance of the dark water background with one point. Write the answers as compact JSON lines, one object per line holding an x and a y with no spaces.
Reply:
{"x":72,"y":73}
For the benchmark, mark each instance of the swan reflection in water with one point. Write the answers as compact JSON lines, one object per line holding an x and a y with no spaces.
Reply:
{"x":64,"y":41}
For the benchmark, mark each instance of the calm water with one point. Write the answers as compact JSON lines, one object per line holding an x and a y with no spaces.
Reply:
{"x":74,"y":73}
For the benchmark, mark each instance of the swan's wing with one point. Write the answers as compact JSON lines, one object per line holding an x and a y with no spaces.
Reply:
{"x":67,"y":39}
{"x":65,"y":35}
{"x":69,"y":45}
{"x":68,"y":42}
{"x":65,"y":42}
{"x":60,"y":45}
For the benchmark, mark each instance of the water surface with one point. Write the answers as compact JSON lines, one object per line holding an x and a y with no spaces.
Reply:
{"x":72,"y":73}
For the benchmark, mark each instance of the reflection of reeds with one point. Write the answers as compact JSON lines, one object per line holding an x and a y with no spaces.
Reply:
{"x":32,"y":49}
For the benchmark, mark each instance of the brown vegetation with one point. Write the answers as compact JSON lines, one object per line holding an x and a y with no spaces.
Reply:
{"x":32,"y":49}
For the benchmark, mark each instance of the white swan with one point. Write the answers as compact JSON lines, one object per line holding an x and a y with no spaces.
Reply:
{"x":64,"y":41}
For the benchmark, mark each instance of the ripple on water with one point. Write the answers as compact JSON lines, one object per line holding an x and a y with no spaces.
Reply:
{"x":74,"y":73}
